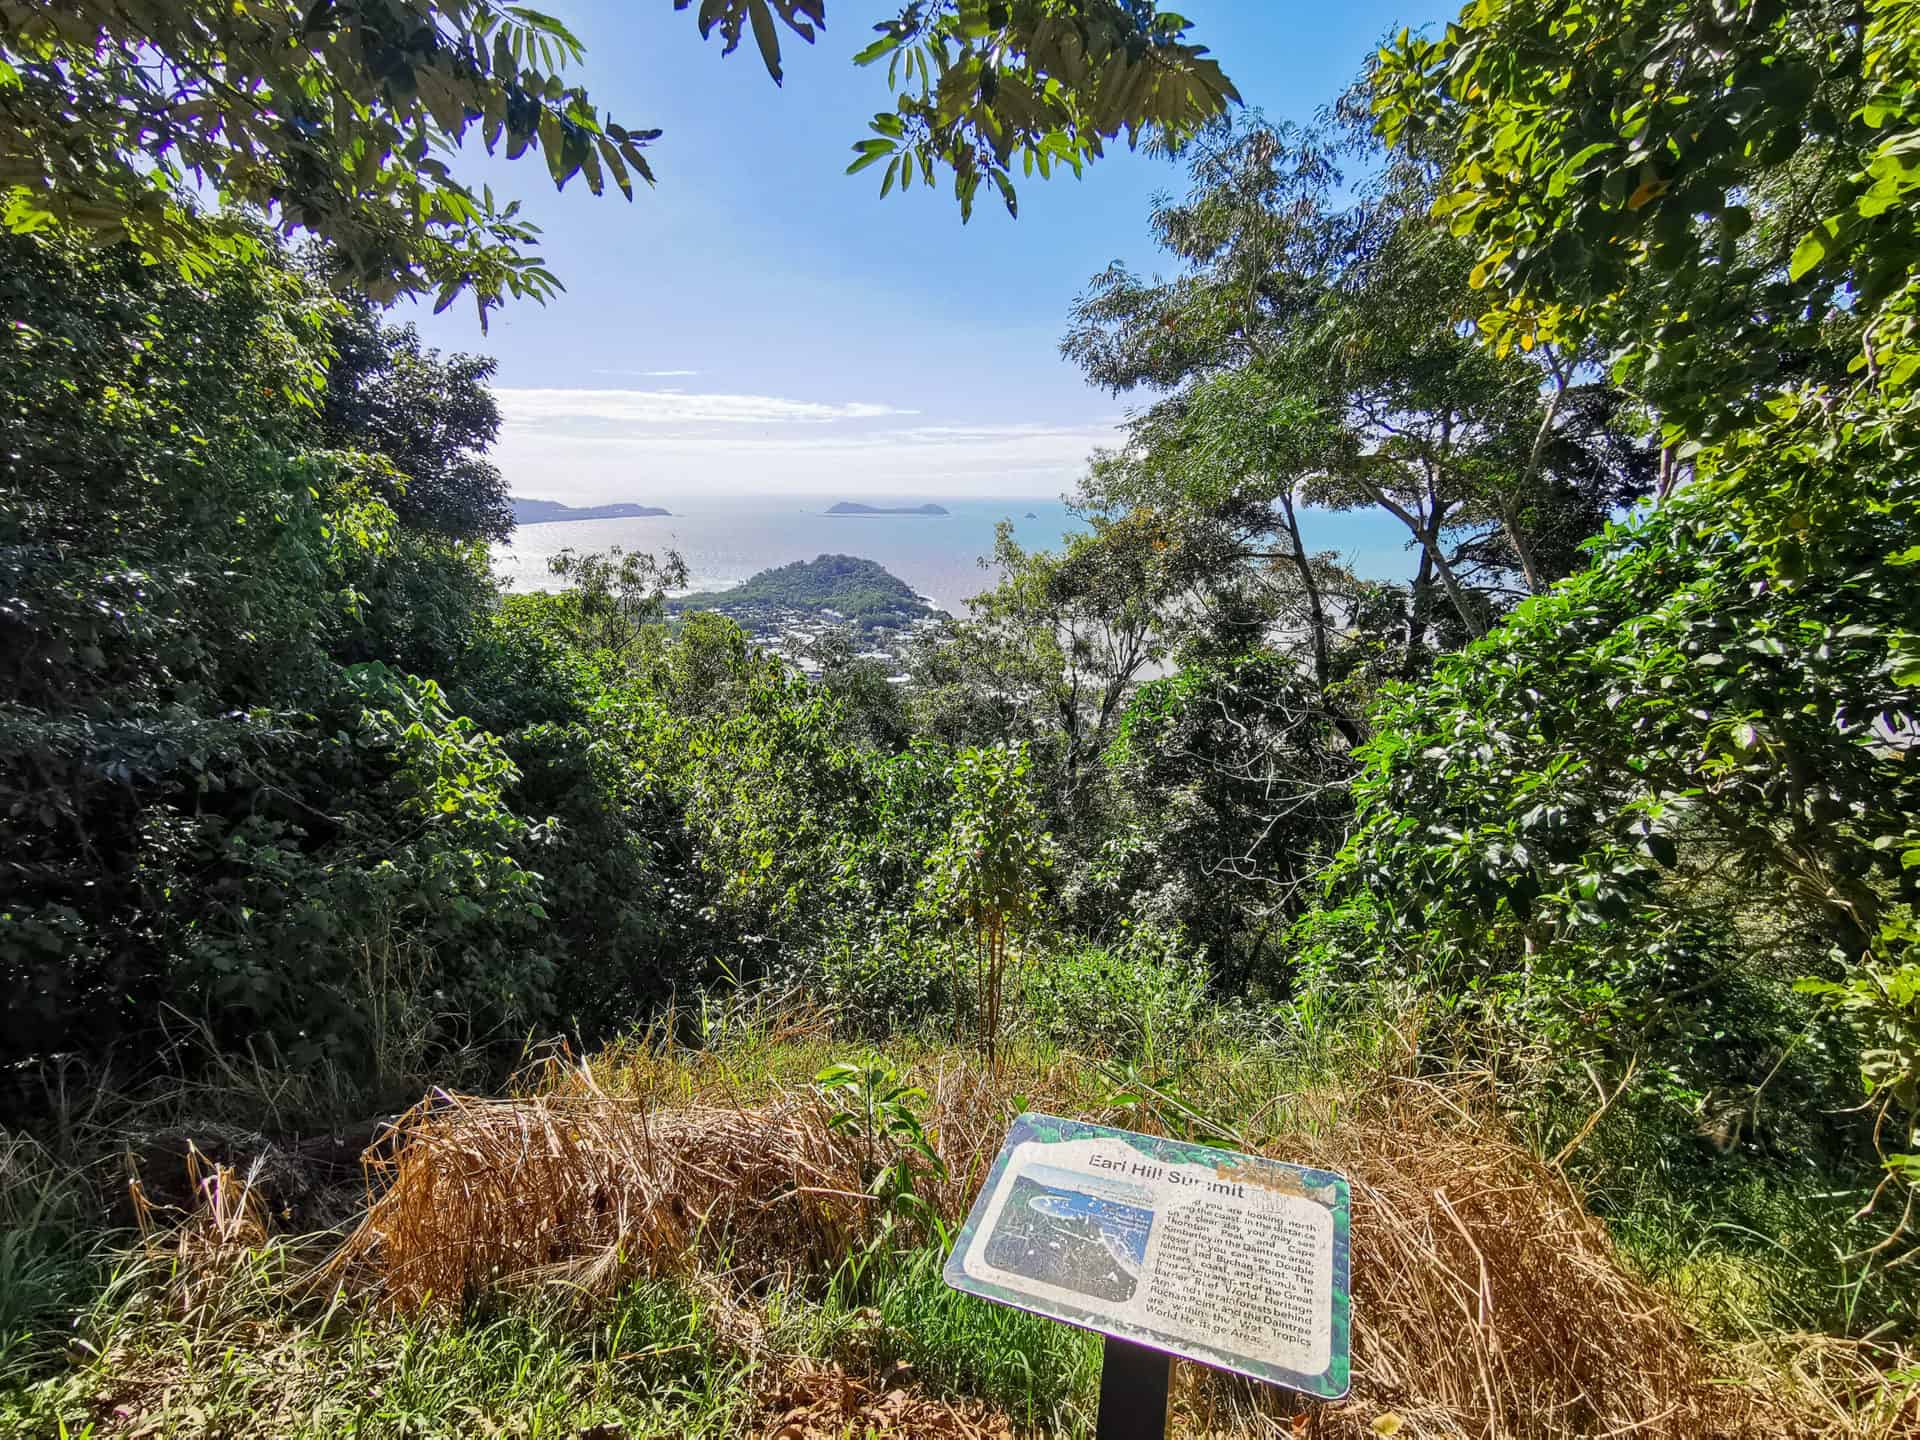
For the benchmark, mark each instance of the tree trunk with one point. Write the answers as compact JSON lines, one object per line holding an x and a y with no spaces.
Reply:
{"x":999,"y":981}
{"x":1536,"y":460}
{"x":1420,"y":603}
{"x":1522,"y":547}
{"x":983,"y":949}
{"x":1431,"y":543}
{"x":1316,"y":620}
{"x":1427,"y":534}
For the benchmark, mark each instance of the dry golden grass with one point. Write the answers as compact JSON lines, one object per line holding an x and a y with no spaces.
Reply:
{"x":582,"y":1189}
{"x":1835,"y":1388}
{"x":824,"y":1402}
{"x":1487,"y":1300}
{"x":199,"y":1250}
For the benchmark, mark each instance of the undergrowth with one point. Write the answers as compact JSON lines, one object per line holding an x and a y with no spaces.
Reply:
{"x":648,"y":1365}
{"x":104,"y":1335}
{"x":902,"y":1312}
{"x":50,"y":1256}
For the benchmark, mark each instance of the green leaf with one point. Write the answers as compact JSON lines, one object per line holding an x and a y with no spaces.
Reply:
{"x":610,"y":154}
{"x":1812,"y":249}
{"x":870,"y":152}
{"x":1579,"y":160}
{"x":765,"y":36}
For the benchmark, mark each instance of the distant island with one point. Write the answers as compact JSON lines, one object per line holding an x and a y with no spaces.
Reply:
{"x":1032,"y":516}
{"x":543,"y":512}
{"x":837,"y":588}
{"x":850,"y":507}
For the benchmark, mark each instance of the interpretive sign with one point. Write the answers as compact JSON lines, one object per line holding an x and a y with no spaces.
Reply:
{"x":1232,"y":1260}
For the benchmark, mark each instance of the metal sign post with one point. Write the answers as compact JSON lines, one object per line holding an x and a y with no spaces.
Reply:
{"x":1167,"y":1248}
{"x":1133,"y":1391}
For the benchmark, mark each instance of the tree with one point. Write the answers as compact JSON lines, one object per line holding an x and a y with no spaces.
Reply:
{"x":978,"y":82}
{"x":334,"y":119}
{"x":1723,"y":199}
{"x":338,"y":119}
{"x":986,"y":870}
{"x":434,"y":418}
{"x":1651,"y":799}
{"x":612,"y":598}
{"x":1050,"y":653}
{"x":1720,"y":198}
{"x":208,"y":816}
{"x":1212,"y":459}
{"x":874,"y":707}
{"x":1232,"y":794}
{"x":1688,"y":183}
{"x":1310,"y":352}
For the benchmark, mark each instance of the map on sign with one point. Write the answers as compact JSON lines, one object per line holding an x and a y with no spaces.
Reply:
{"x":1233,"y":1260}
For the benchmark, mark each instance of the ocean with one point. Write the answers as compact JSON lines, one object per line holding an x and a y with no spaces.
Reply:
{"x":729,"y":538}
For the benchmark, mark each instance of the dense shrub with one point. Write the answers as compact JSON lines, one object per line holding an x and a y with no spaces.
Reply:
{"x":230,"y":808}
{"x":1129,"y":999}
{"x":168,"y":555}
{"x":1631,"y":817}
{"x":1229,"y":786}
{"x":884,"y":974}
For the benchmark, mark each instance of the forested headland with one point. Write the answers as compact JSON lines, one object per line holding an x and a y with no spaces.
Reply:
{"x":856,"y":593}
{"x":437,"y":1011}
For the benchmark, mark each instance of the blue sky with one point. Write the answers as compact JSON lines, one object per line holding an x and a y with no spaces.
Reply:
{"x":761,"y":322}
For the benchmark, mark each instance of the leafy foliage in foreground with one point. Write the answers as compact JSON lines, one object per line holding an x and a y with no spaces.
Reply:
{"x":1632,"y":814}
{"x":335,"y":118}
{"x":338,"y":120}
{"x":1671,"y":177}
{"x":1721,"y":198}
{"x":213,"y":807}
{"x":979,"y":83}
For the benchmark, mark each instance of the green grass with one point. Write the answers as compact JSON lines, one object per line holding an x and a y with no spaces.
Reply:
{"x":899,"y":1310}
{"x":661,"y":1360}
{"x":650,"y":1364}
{"x":1748,"y":1250}
{"x":1750,"y":1240}
{"x":87,"y":1350}
{"x":50,"y":1259}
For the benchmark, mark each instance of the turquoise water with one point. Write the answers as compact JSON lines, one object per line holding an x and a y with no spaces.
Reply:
{"x":727,"y":539}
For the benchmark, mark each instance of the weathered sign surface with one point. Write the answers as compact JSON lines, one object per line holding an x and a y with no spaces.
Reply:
{"x":1233,"y":1260}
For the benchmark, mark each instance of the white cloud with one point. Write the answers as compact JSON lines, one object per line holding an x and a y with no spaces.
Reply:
{"x":671,"y":445}
{"x":590,"y":445}
{"x":636,"y":412}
